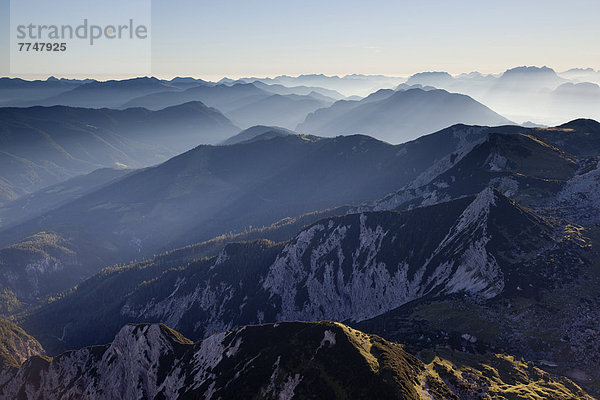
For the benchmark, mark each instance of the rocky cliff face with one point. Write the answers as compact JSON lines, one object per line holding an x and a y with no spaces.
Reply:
{"x":579,"y":199}
{"x":521,"y":166}
{"x":355,"y":267}
{"x":154,"y":362}
{"x":16,"y":345}
{"x":38,"y":265}
{"x":316,"y":276}
{"x":325,"y":360}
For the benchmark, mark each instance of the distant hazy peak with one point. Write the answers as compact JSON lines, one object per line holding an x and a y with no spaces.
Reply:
{"x":529,"y":70}
{"x":432,"y":73}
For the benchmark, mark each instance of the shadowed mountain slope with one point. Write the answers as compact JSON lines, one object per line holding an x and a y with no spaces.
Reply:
{"x":45,"y":145}
{"x":256,"y":131}
{"x":324,"y":360}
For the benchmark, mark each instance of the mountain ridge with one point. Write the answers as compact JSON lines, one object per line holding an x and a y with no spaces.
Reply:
{"x":326,"y":360}
{"x":324,"y":272}
{"x":45,"y":145}
{"x":405,"y":115}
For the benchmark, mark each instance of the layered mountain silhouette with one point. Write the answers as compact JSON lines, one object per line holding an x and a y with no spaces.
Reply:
{"x":212,"y":190}
{"x":16,"y":91}
{"x":401,"y":116}
{"x":281,"y":110}
{"x":437,"y":79}
{"x":222,"y":97}
{"x":582,"y":75}
{"x":105,"y":94}
{"x":245,"y":103}
{"x":533,"y":78}
{"x":519,"y":80}
{"x":314,"y":91}
{"x":525,"y":93}
{"x":355,"y":84}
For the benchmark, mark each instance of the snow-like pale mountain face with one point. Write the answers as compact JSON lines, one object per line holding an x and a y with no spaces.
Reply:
{"x":372,"y":285}
{"x":141,"y":362}
{"x":579,"y":199}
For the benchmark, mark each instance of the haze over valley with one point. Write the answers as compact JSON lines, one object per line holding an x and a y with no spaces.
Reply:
{"x":299,"y":200}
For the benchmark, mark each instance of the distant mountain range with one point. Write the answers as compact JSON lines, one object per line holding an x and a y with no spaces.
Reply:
{"x":526,"y":93}
{"x":86,"y":92}
{"x":518,"y":80}
{"x":356,"y":84}
{"x":399,"y":116}
{"x":281,"y":110}
{"x":314,"y":91}
{"x":46,"y":145}
{"x":582,"y":75}
{"x":19,"y":91}
{"x":109,"y":94}
{"x":223,"y":97}
{"x":244,"y":103}
{"x":521,"y":94}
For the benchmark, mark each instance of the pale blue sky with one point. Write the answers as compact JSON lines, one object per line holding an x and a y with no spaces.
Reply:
{"x":210,"y":39}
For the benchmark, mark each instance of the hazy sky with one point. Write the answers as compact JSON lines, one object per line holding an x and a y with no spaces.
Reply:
{"x":212,"y":39}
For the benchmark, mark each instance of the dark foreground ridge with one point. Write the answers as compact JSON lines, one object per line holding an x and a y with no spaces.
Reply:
{"x":324,"y":360}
